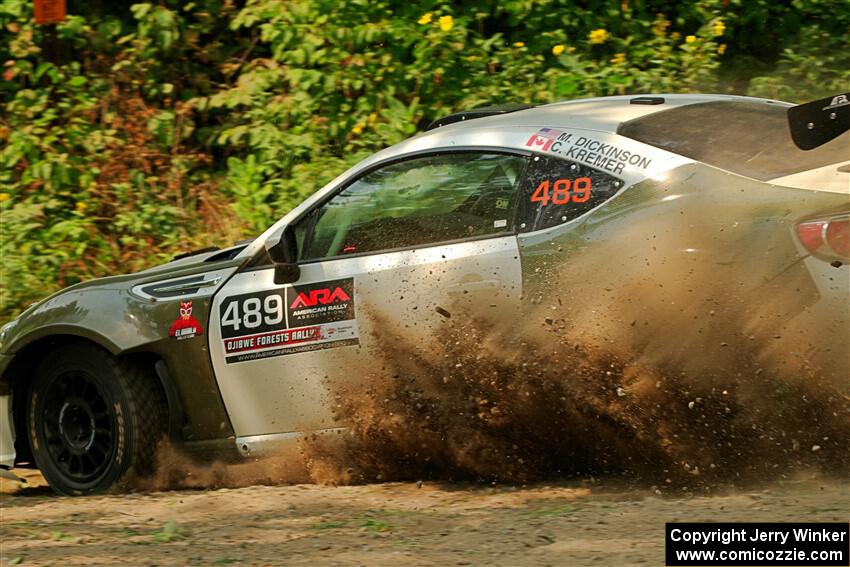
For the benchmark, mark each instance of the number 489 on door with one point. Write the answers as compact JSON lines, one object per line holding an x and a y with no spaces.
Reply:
{"x":562,"y":191}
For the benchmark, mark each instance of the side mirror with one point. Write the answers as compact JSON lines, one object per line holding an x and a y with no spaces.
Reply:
{"x":284,"y":253}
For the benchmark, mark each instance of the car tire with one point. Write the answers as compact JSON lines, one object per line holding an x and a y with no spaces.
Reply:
{"x":93,"y":418}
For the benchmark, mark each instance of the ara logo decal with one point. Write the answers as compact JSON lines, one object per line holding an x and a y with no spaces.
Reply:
{"x":316,"y":296}
{"x":321,"y":302}
{"x":543,"y":138}
{"x":186,"y":326}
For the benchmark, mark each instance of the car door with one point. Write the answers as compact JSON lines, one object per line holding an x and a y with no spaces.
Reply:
{"x":385,"y":258}
{"x":556,"y":196}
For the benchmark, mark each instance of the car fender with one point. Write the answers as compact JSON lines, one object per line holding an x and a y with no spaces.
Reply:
{"x":121,"y":315}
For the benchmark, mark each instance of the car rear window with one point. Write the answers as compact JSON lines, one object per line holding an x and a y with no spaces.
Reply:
{"x":748,"y":138}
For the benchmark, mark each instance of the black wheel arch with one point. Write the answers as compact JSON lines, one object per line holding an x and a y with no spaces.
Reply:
{"x":19,"y":375}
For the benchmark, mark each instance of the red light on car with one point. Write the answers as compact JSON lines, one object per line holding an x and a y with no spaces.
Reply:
{"x":826,"y":237}
{"x":811,"y":234}
{"x":838,"y":236}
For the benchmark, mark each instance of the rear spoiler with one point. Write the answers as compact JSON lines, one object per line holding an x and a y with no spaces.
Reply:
{"x":815,"y":123}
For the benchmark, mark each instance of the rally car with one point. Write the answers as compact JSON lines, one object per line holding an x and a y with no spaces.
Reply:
{"x":232,"y":350}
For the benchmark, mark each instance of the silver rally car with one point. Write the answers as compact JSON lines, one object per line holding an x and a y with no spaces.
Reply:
{"x":232,"y":351}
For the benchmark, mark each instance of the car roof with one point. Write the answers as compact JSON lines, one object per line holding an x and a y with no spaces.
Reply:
{"x":511,"y":129}
{"x":603,"y":114}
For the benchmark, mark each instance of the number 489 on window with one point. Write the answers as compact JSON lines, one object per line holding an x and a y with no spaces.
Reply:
{"x":562,"y":191}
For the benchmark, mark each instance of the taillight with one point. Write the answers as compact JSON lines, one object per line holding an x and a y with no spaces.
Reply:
{"x":826,"y":237}
{"x":838,"y":237}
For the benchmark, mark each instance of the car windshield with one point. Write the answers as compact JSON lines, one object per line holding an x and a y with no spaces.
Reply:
{"x":748,"y":138}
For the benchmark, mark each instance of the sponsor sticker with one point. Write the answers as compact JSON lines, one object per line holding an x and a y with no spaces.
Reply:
{"x":322,"y":302}
{"x":586,"y":149}
{"x":185,"y":326}
{"x":288,"y":320}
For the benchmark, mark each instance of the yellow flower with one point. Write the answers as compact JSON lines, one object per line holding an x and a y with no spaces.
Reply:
{"x":519,"y":44}
{"x":619,"y":58}
{"x":81,"y":207}
{"x":357,"y":129}
{"x":721,"y":49}
{"x":372,"y":119}
{"x":446,"y":23}
{"x":690,"y":39}
{"x":598,"y":36}
{"x":557,"y":50}
{"x":719,"y":27}
{"x":425,"y":19}
{"x":4,"y":197}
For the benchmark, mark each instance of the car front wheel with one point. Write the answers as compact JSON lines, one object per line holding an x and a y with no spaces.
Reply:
{"x":92,"y":419}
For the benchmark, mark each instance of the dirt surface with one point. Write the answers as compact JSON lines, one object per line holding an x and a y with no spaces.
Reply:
{"x":589,"y":522}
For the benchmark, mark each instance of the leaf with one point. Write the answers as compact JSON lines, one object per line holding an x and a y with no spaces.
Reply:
{"x":567,"y":85}
{"x":42,"y":69}
{"x":169,"y":532}
{"x":77,"y":81}
{"x":140,"y":10}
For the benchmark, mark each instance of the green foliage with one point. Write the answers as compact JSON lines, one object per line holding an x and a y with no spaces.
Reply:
{"x":171,"y":531}
{"x":172,"y":125}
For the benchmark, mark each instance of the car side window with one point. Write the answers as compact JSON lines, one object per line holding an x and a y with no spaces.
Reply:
{"x":415,"y":202}
{"x":555,"y":191}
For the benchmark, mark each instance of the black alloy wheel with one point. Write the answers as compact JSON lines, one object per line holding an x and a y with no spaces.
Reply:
{"x":79,"y":428}
{"x":93,"y":418}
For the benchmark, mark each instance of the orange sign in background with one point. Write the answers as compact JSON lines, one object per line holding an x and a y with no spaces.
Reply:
{"x":50,"y":11}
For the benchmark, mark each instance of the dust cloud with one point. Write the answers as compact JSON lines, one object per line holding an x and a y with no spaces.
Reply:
{"x":177,"y":469}
{"x":688,"y":362}
{"x":679,"y":348}
{"x":559,"y":392}
{"x":690,"y":397}
{"x":506,"y":408}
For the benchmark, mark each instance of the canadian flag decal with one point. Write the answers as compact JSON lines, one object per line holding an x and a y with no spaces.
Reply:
{"x":543,"y":138}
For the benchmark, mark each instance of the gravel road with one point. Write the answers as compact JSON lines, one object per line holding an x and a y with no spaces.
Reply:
{"x":596,"y":522}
